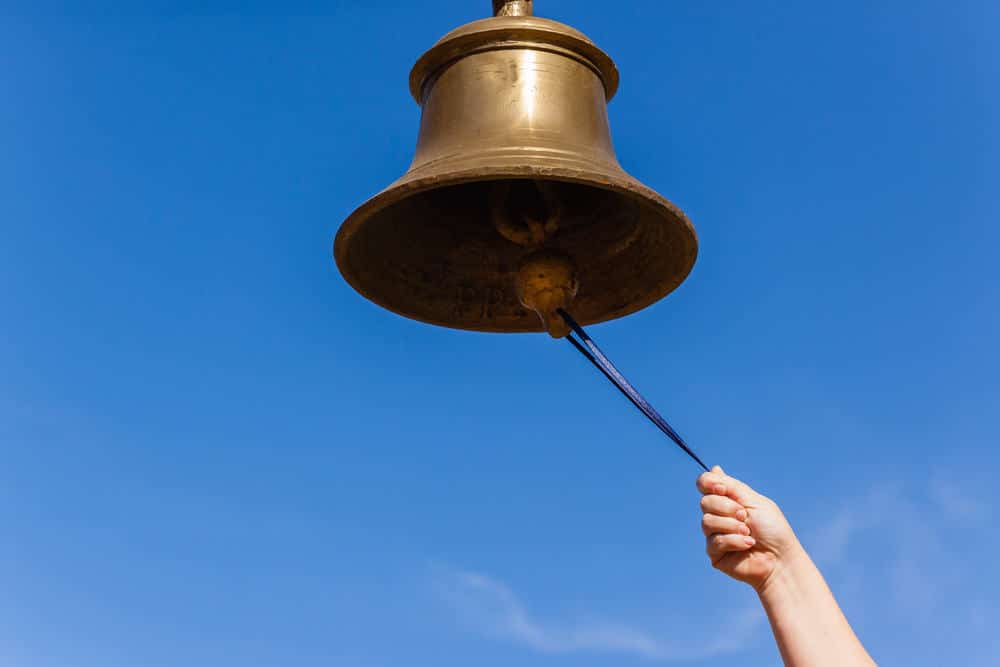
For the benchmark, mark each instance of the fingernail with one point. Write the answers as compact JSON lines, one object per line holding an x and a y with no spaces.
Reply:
{"x":745,"y":529}
{"x":750,"y":541}
{"x":719,"y":468}
{"x":741,"y":515}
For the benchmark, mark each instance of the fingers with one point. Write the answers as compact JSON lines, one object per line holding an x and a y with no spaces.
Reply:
{"x":713,"y":482}
{"x":723,"y":506}
{"x":739,"y":491}
{"x":724,"y":520}
{"x":718,"y":546}
{"x":713,"y":523}
{"x":719,"y":483}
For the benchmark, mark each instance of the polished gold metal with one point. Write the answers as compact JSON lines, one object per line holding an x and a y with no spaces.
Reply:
{"x":512,"y":8}
{"x":514,"y":159}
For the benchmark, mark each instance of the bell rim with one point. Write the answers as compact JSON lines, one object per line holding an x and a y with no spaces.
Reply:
{"x":624,"y":184}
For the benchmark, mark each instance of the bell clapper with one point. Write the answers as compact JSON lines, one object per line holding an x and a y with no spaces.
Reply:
{"x":546,"y":283}
{"x":546,"y":278}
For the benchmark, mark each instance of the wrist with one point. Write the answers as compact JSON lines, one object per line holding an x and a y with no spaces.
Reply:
{"x":790,"y":569}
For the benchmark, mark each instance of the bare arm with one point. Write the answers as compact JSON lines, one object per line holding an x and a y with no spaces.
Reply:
{"x":749,"y":539}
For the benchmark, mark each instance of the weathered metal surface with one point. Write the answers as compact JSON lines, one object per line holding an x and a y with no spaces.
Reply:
{"x":546,"y":283}
{"x":514,"y":156}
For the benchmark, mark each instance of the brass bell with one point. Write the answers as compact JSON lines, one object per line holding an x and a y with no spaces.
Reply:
{"x":515,"y":200}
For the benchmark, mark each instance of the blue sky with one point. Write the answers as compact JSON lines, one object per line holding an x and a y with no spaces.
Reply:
{"x":215,"y":453}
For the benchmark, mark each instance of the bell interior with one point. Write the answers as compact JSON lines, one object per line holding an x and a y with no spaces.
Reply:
{"x":437,"y":255}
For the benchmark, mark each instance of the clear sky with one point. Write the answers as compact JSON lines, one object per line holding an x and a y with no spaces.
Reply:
{"x":215,"y":453}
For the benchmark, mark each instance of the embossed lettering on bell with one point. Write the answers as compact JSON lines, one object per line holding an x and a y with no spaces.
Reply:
{"x":514,"y":160}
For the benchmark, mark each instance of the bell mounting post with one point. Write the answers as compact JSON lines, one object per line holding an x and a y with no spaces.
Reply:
{"x":512,"y":7}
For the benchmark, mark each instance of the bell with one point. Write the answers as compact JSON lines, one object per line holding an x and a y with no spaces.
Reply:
{"x":515,"y":204}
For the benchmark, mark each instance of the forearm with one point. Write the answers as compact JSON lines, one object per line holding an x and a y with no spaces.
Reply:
{"x":807,"y":622}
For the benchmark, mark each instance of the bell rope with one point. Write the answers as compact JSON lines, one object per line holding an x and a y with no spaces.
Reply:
{"x":588,"y":348}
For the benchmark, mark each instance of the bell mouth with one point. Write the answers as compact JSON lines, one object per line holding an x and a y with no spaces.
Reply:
{"x":429,"y":249}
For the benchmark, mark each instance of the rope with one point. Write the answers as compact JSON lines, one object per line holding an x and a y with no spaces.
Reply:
{"x":588,"y":348}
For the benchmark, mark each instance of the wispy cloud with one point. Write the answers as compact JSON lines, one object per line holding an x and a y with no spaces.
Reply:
{"x":492,"y":608}
{"x":956,"y":503}
{"x":902,"y":553}
{"x":897,"y":539}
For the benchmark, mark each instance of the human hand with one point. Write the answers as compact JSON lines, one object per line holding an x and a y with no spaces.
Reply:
{"x":746,"y":533}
